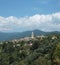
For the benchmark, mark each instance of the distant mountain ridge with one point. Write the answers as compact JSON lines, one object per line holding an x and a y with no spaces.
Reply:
{"x":18,"y":35}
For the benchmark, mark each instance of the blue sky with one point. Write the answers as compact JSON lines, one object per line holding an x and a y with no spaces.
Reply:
{"x":33,"y":13}
{"x":20,"y":8}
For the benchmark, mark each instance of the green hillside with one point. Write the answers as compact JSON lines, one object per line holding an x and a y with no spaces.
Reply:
{"x":45,"y":51}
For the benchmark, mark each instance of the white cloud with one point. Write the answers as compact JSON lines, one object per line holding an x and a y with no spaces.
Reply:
{"x":49,"y":22}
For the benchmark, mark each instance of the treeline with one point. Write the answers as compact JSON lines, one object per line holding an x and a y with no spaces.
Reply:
{"x":45,"y":51}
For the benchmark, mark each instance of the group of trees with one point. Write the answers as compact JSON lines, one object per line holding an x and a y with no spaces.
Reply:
{"x":41,"y":52}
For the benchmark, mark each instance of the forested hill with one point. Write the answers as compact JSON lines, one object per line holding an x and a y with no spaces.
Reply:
{"x":45,"y":51}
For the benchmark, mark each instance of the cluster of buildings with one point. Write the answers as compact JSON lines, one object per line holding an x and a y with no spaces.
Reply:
{"x":33,"y":37}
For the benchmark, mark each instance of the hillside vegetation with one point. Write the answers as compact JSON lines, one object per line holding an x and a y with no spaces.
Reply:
{"x":44,"y":51}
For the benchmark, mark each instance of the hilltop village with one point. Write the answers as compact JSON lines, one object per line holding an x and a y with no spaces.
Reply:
{"x":32,"y":37}
{"x":28,"y":40}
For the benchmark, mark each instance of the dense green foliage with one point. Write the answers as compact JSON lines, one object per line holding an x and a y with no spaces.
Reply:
{"x":44,"y":51}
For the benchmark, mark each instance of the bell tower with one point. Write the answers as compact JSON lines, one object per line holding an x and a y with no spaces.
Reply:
{"x":32,"y":36}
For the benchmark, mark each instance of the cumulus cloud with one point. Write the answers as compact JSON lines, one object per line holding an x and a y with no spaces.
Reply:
{"x":49,"y":22}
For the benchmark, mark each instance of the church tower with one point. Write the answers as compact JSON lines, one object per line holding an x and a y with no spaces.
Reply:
{"x":32,"y":36}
